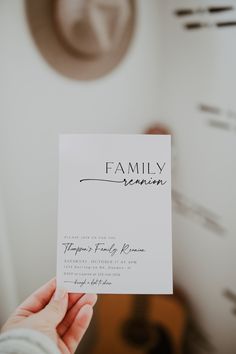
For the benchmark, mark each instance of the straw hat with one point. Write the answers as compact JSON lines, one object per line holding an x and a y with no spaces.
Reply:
{"x":82,"y":39}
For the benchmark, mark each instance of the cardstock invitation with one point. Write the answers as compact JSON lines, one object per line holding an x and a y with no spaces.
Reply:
{"x":114,"y":214}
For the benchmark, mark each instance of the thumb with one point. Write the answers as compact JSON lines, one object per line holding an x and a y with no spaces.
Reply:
{"x":56,"y":309}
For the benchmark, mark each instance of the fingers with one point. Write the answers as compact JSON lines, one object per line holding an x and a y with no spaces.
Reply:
{"x":41,"y":297}
{"x":78,"y":327}
{"x":38,"y":299}
{"x":73,"y":298}
{"x":56,"y":309}
{"x":89,"y":299}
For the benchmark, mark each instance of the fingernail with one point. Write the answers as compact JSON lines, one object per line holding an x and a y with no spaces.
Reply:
{"x":59,"y":294}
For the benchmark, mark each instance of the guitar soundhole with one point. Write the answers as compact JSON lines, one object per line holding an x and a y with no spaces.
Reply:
{"x":162,"y":343}
{"x":136,"y":332}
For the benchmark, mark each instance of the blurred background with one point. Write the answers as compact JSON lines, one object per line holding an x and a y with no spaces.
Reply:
{"x":172,"y":69}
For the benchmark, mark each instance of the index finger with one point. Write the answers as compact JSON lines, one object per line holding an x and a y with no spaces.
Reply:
{"x":39,"y":299}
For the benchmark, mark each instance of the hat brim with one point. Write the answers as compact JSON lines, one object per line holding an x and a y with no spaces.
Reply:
{"x":61,"y":58}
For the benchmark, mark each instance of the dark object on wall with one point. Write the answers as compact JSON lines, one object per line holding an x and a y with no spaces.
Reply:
{"x":202,"y":10}
{"x":82,"y":40}
{"x":200,"y":25}
{"x":226,"y":24}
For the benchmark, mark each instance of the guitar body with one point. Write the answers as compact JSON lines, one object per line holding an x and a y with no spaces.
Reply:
{"x":123,"y":328}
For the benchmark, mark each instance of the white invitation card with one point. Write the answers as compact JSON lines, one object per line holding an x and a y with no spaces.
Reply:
{"x":114,"y":214}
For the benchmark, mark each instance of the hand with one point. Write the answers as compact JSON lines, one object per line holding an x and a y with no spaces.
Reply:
{"x":61,"y":316}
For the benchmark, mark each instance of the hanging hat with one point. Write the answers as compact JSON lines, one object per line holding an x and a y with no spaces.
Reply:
{"x":82,"y":39}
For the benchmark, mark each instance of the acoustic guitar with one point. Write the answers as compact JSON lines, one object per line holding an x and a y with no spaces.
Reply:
{"x":136,"y":324}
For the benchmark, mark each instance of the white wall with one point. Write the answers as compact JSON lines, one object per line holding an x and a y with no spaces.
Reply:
{"x":37,"y":104}
{"x":198,"y":67}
